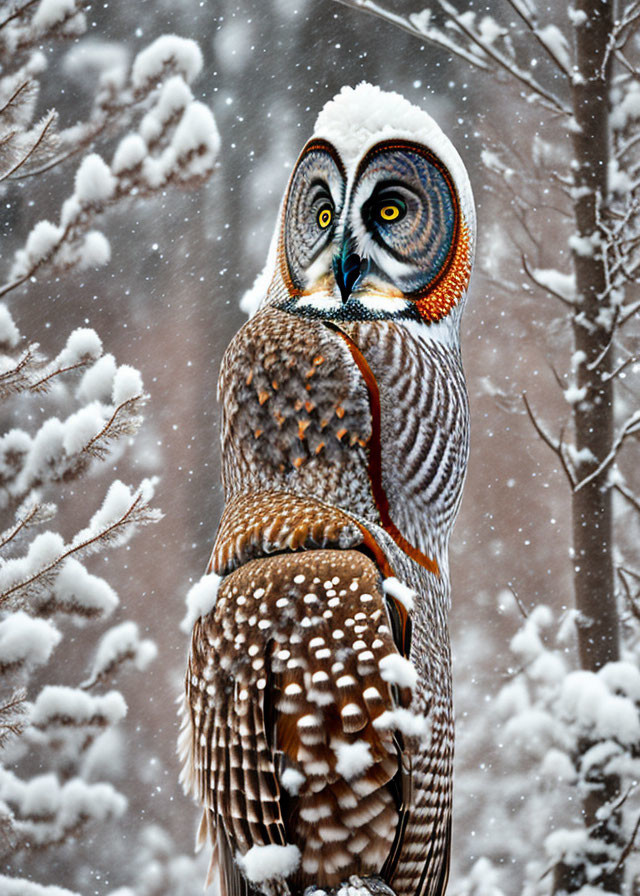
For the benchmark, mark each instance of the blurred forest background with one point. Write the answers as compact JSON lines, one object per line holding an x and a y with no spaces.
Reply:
{"x":168,"y":303}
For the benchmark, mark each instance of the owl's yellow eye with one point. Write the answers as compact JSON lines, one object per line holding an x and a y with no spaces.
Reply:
{"x":325,"y":217}
{"x":389,"y":212}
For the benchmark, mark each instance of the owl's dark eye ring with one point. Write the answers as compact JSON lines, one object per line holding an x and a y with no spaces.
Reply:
{"x":325,"y":216}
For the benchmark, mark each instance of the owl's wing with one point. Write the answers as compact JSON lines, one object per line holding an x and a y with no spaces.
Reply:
{"x":295,"y":689}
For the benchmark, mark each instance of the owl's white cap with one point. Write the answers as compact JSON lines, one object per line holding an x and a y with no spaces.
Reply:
{"x":359,"y":117}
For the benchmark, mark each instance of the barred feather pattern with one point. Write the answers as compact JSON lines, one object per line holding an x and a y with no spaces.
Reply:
{"x":424,"y":428}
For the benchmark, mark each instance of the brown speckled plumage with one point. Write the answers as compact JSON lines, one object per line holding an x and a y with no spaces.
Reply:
{"x":318,"y":721}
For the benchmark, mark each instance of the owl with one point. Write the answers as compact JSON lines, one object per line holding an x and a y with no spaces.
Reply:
{"x":318,"y":724}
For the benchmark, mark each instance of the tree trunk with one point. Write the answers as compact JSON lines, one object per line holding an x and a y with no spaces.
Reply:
{"x":593,"y":415}
{"x":598,"y":625}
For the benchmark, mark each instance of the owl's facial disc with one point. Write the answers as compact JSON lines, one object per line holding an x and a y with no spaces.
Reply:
{"x":316,"y":197}
{"x":388,"y":244}
{"x":405,"y":216}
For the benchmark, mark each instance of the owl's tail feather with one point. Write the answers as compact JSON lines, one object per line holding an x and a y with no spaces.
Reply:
{"x":371,"y":885}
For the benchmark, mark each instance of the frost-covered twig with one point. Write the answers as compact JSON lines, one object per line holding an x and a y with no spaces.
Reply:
{"x":630,"y":427}
{"x":48,"y":552}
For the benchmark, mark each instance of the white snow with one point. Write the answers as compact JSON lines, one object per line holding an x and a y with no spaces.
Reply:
{"x":490,"y":30}
{"x":292,"y":780}
{"x":60,"y":705}
{"x":532,"y":732}
{"x":398,"y":670}
{"x":9,"y":333}
{"x":97,"y":382}
{"x":627,"y":109}
{"x":127,"y":384}
{"x":76,"y":589}
{"x":11,"y":886}
{"x":582,"y":245}
{"x":83,"y":344}
{"x":201,"y":599}
{"x":80,"y":428}
{"x":130,"y":153}
{"x":575,"y":394}
{"x":53,"y":12}
{"x":262,"y":863}
{"x":117,"y":502}
{"x":43,"y":238}
{"x":557,"y":766}
{"x":401,"y":592}
{"x":622,"y":678}
{"x":192,"y":151}
{"x":554,"y":39}
{"x":94,"y":181}
{"x":169,"y":50}
{"x":586,"y":701}
{"x":562,"y":284}
{"x":43,"y":550}
{"x":119,"y":643}
{"x":26,"y":640}
{"x":353,"y":759}
{"x":197,"y":131}
{"x":405,"y":720}
{"x":95,"y":250}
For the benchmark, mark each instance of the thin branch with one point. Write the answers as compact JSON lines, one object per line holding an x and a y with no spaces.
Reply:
{"x":19,"y":526}
{"x":404,"y":24}
{"x":628,"y":494}
{"x":630,"y":427}
{"x":510,"y":67}
{"x":50,"y":119}
{"x":556,"y":447}
{"x":618,"y":370}
{"x":628,"y":847}
{"x":74,"y":549}
{"x":520,"y":605}
{"x":17,"y":13}
{"x":517,"y":7}
{"x":530,"y":274}
{"x":16,"y":93}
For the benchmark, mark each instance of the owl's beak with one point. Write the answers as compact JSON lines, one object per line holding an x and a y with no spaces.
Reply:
{"x":346,"y":269}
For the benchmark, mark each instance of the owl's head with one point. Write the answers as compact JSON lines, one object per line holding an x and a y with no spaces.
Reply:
{"x":378,"y":220}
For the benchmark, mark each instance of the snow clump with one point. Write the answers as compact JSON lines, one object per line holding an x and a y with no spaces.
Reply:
{"x":27,"y":641}
{"x":94,"y":181}
{"x":353,"y":759}
{"x":401,"y":592}
{"x":180,"y":52}
{"x":201,"y":599}
{"x":398,"y":670}
{"x":262,"y":863}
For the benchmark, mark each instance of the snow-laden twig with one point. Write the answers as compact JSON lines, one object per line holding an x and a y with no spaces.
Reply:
{"x":630,"y":427}
{"x":418,"y":26}
{"x":107,"y":529}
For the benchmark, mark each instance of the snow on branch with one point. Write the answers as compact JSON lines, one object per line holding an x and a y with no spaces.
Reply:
{"x":176,"y":143}
{"x":41,"y":577}
{"x":47,"y":813}
{"x":121,"y":644}
{"x":477,"y":43}
{"x":13,"y":886}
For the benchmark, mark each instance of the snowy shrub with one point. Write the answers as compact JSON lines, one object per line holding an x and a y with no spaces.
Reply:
{"x":63,"y":418}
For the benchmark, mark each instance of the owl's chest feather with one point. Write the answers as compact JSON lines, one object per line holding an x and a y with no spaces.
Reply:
{"x":294,"y":414}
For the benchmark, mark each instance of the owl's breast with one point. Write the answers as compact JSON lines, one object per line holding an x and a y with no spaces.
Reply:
{"x":418,"y":388}
{"x":295,"y":413}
